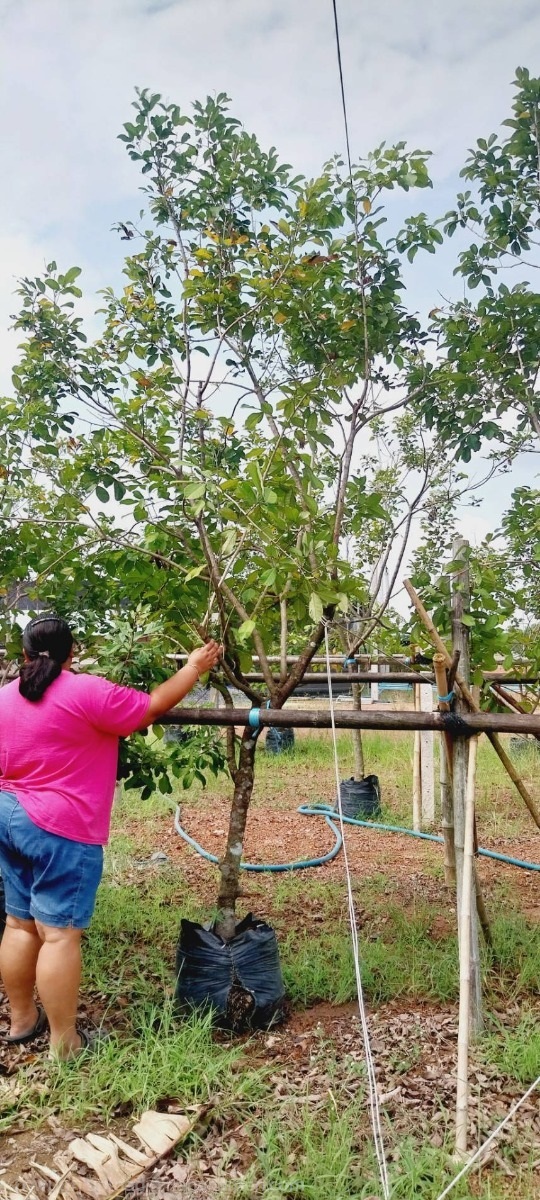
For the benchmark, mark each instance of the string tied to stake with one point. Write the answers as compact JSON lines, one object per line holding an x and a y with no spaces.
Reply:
{"x":446,"y":699}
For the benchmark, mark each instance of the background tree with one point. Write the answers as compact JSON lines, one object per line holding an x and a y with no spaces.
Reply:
{"x":481,"y":394}
{"x":484,"y":390}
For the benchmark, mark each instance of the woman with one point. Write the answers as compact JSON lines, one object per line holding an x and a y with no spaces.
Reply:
{"x":59,"y":736}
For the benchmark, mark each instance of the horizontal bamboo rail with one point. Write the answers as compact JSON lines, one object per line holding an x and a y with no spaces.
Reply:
{"x":351,"y":677}
{"x":376,"y":675}
{"x":300,"y":718}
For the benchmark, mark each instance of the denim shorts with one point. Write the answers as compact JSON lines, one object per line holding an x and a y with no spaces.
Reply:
{"x":46,"y":878}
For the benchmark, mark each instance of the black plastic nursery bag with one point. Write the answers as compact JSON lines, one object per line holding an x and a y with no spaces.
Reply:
{"x":240,"y":980}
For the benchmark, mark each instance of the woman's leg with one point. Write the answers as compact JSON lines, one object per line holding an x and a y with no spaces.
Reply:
{"x":58,"y":977}
{"x":19,"y":951}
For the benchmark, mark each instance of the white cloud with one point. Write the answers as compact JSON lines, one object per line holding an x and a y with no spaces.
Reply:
{"x":437,"y":75}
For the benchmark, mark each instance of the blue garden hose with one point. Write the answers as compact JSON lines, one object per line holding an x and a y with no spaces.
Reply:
{"x":291,"y":866}
{"x":329,"y":814}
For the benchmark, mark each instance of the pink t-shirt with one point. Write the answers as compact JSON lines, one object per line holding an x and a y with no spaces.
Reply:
{"x":59,"y":755}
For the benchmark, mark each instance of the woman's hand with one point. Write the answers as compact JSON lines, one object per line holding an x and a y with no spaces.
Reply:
{"x":205,"y":657}
{"x":173,"y":690}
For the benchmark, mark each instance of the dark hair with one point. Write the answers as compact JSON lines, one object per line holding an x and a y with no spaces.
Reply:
{"x":48,"y":642}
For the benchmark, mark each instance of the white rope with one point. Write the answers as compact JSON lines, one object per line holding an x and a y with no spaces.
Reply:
{"x":478,"y":1153}
{"x":372,"y":1081}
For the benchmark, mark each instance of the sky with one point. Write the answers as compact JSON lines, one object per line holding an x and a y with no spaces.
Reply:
{"x":433,"y":73}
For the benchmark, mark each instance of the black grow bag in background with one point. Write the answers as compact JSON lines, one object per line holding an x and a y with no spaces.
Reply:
{"x":361,"y":798}
{"x":278,"y":740}
{"x":240,"y":980}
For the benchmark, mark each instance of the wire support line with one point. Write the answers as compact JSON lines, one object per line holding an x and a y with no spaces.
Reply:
{"x":482,"y":1149}
{"x":372,"y":1080}
{"x":342,"y":86}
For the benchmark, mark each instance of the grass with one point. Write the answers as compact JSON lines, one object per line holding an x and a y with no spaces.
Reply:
{"x":129,"y":949}
{"x":308,"y":769}
{"x":516,"y":1051}
{"x":158,"y":1057}
{"x":313,"y":1155}
{"x":299,"y":1149}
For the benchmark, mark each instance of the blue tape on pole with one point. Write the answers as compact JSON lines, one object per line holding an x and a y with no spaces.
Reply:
{"x":446,"y":699}
{"x":254,"y":718}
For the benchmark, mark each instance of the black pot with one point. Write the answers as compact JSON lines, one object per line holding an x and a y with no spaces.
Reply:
{"x":522,"y":745}
{"x":279,"y":740}
{"x":240,"y":981}
{"x":361,"y":797}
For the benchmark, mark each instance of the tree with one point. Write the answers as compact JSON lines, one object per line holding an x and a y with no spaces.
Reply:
{"x":482,"y":392}
{"x":485,"y":390}
{"x":215,"y":449}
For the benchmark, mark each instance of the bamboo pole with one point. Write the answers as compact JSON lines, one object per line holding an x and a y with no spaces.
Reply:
{"x":465,"y":964}
{"x":401,"y":720}
{"x":337,"y":659}
{"x":354,"y":677}
{"x":283,"y":639}
{"x":447,"y":817}
{"x":467,"y":695}
{"x":460,"y":760}
{"x":427,"y":781}
{"x":445,"y":775}
{"x":417,"y":772}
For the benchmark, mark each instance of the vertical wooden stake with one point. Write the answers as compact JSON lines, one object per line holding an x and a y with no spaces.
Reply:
{"x":468,"y":902}
{"x":417,"y":779}
{"x":427,"y":789}
{"x":447,"y":816}
{"x":283,"y":639}
{"x":460,"y":635}
{"x":445,"y":775}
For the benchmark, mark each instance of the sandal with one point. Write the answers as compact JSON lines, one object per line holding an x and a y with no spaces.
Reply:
{"x":91,"y":1041}
{"x":40,"y":1027}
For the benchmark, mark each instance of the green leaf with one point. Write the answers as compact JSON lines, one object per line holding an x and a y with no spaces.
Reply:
{"x":194,"y":491}
{"x":245,"y":630}
{"x":71,"y":275}
{"x":102,"y":494}
{"x":194,"y":573}
{"x":316,"y":607}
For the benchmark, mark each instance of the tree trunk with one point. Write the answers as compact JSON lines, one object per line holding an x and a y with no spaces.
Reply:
{"x":358,"y":749}
{"x":230,"y":864}
{"x":460,"y":637}
{"x":283,"y":639}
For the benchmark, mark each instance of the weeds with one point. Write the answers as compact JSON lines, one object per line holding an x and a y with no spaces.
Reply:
{"x":160,"y":1057}
{"x":516,"y":1051}
{"x":129,"y":948}
{"x":300,"y":1151}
